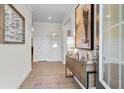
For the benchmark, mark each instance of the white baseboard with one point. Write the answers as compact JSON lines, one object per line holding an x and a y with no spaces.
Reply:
{"x":23,"y":78}
{"x":79,"y":83}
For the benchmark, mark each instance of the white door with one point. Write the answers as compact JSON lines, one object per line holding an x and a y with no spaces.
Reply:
{"x":112,"y":46}
{"x":43,"y":42}
{"x":40,"y":49}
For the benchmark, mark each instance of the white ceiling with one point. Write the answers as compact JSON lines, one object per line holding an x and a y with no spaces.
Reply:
{"x":41,"y":12}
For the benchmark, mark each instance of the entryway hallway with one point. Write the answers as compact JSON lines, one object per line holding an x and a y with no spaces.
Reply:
{"x":50,"y":70}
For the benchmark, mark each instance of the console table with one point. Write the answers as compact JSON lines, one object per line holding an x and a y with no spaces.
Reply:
{"x":81,"y":70}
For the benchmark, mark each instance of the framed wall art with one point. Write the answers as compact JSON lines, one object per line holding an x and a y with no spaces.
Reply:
{"x":54,"y":36}
{"x":84,"y":26}
{"x":54,"y":39}
{"x":12,"y":25}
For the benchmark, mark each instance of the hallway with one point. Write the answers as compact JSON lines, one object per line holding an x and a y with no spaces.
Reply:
{"x":43,"y":70}
{"x":37,"y":40}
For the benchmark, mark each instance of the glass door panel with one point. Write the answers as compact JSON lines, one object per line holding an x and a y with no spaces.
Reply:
{"x":110,"y":45}
{"x":106,"y":17}
{"x":105,"y":41}
{"x":114,"y":43}
{"x":122,"y":54}
{"x":114,"y":58}
{"x":122,"y":12}
{"x":113,"y":74}
{"x":114,"y":14}
{"x":105,"y":70}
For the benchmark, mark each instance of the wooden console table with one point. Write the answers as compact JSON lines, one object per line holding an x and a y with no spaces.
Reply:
{"x":81,"y":70}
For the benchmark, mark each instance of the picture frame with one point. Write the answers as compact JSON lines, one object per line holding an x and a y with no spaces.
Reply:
{"x":84,"y":26}
{"x":12,"y":25}
{"x":54,"y":39}
{"x":54,"y":36}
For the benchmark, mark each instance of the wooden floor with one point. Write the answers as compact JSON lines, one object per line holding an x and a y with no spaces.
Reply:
{"x":48,"y":69}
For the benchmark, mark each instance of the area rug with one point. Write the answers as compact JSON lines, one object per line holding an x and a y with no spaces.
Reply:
{"x":47,"y":83}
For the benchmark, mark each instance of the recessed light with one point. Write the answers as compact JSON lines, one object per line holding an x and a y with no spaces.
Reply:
{"x":49,"y":18}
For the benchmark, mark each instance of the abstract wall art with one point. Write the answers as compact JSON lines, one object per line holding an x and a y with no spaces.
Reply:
{"x":84,"y":26}
{"x":54,"y":39}
{"x":12,"y":25}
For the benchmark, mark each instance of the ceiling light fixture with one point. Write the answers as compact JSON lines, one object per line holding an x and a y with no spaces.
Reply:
{"x":49,"y":18}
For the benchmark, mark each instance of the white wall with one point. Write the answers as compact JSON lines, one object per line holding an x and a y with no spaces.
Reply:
{"x":15,"y":59}
{"x":68,"y":17}
{"x":42,"y":42}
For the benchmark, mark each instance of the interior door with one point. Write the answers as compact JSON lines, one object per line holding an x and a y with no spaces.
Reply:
{"x":111,"y":45}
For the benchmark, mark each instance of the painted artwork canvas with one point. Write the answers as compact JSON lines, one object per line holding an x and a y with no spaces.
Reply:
{"x":12,"y":24}
{"x":54,"y":39}
{"x":84,"y":26}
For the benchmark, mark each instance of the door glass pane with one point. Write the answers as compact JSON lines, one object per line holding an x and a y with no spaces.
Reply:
{"x":110,"y":45}
{"x":105,"y":70}
{"x":122,"y":55}
{"x":114,"y":14}
{"x":105,"y":55}
{"x":113,"y":74}
{"x":122,"y":12}
{"x":114,"y":43}
{"x":106,"y":17}
{"x":114,"y":58}
{"x":105,"y":41}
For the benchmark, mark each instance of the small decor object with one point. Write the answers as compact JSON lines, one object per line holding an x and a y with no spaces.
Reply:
{"x":54,"y":35}
{"x":84,"y":26}
{"x":54,"y":39}
{"x":12,"y":25}
{"x":77,"y":56}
